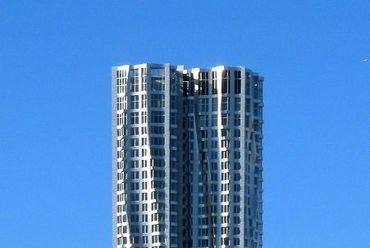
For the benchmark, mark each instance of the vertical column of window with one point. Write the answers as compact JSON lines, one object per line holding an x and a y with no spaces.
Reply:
{"x":190,"y":157}
{"x":115,"y":195}
{"x":225,"y":180}
{"x":236,"y":176}
{"x":222,"y":118}
{"x":258,"y":160}
{"x":144,"y":160}
{"x":249,"y":204}
{"x":132,"y":157}
{"x":253,"y":180}
{"x":125,"y":173}
{"x":157,"y":151}
{"x":186,"y":205}
{"x":167,"y":169}
{"x":175,"y":159}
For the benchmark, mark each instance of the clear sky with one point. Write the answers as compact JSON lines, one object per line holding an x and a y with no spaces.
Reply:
{"x":55,"y":67}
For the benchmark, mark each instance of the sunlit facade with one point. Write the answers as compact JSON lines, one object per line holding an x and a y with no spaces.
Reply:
{"x":187,"y":156}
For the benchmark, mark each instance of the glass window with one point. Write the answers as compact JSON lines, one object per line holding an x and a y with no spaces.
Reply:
{"x":157,"y":100}
{"x":225,"y":81}
{"x":157,"y":117}
{"x":134,"y":102}
{"x":214,"y":104}
{"x":134,"y":118}
{"x":237,"y":103}
{"x":214,"y":82}
{"x":237,"y":86}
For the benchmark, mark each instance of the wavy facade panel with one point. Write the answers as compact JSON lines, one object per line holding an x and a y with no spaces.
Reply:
{"x":187,"y":154}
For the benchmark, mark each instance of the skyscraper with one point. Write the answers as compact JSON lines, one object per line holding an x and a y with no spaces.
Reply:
{"x":187,"y":156}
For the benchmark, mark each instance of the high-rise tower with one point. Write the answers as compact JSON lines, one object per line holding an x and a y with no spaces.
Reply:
{"x":187,"y":153}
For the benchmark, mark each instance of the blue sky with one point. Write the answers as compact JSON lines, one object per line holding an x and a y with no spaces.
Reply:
{"x":55,"y":65}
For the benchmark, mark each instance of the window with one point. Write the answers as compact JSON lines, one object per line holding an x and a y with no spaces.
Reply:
{"x":143,"y":117}
{"x":225,"y":81}
{"x":237,"y":103}
{"x":257,"y":111}
{"x":236,"y":241}
{"x":225,"y":143}
{"x":157,"y":141}
{"x":214,"y":82}
{"x":157,"y":152}
{"x":134,"y":142}
{"x":214,"y":104}
{"x":203,"y":83}
{"x":157,"y":117}
{"x":134,"y":118}
{"x":214,"y":123}
{"x":203,"y":120}
{"x":173,"y":102}
{"x":224,"y":118}
{"x":237,"y":86}
{"x":158,"y":100}
{"x":143,"y":101}
{"x":204,"y":105}
{"x":173,"y":118}
{"x":257,"y":90}
{"x":134,"y":85}
{"x":224,"y":103}
{"x":157,"y":78}
{"x":156,"y":130}
{"x":247,"y":84}
{"x":237,"y":120}
{"x":157,"y":72}
{"x":135,"y":130}
{"x":143,"y":79}
{"x":236,"y":133}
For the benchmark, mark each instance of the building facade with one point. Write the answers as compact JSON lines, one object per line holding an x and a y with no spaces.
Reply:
{"x":187,"y":156}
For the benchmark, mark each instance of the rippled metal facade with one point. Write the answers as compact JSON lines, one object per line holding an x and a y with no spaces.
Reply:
{"x":187,"y":156}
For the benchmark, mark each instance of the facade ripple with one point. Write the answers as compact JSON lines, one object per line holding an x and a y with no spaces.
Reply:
{"x":187,"y":156}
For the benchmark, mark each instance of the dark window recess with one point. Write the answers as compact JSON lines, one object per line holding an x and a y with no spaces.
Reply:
{"x":191,"y":85}
{"x":214,"y":82}
{"x":203,"y":83}
{"x":203,"y":87}
{"x":225,"y":82}
{"x":185,"y":87}
{"x":237,"y":86}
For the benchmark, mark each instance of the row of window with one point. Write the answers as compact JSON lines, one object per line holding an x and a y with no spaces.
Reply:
{"x":226,"y":87}
{"x":157,"y":78}
{"x":159,"y":102}
{"x":143,"y":239}
{"x":226,"y":104}
{"x":224,"y":241}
